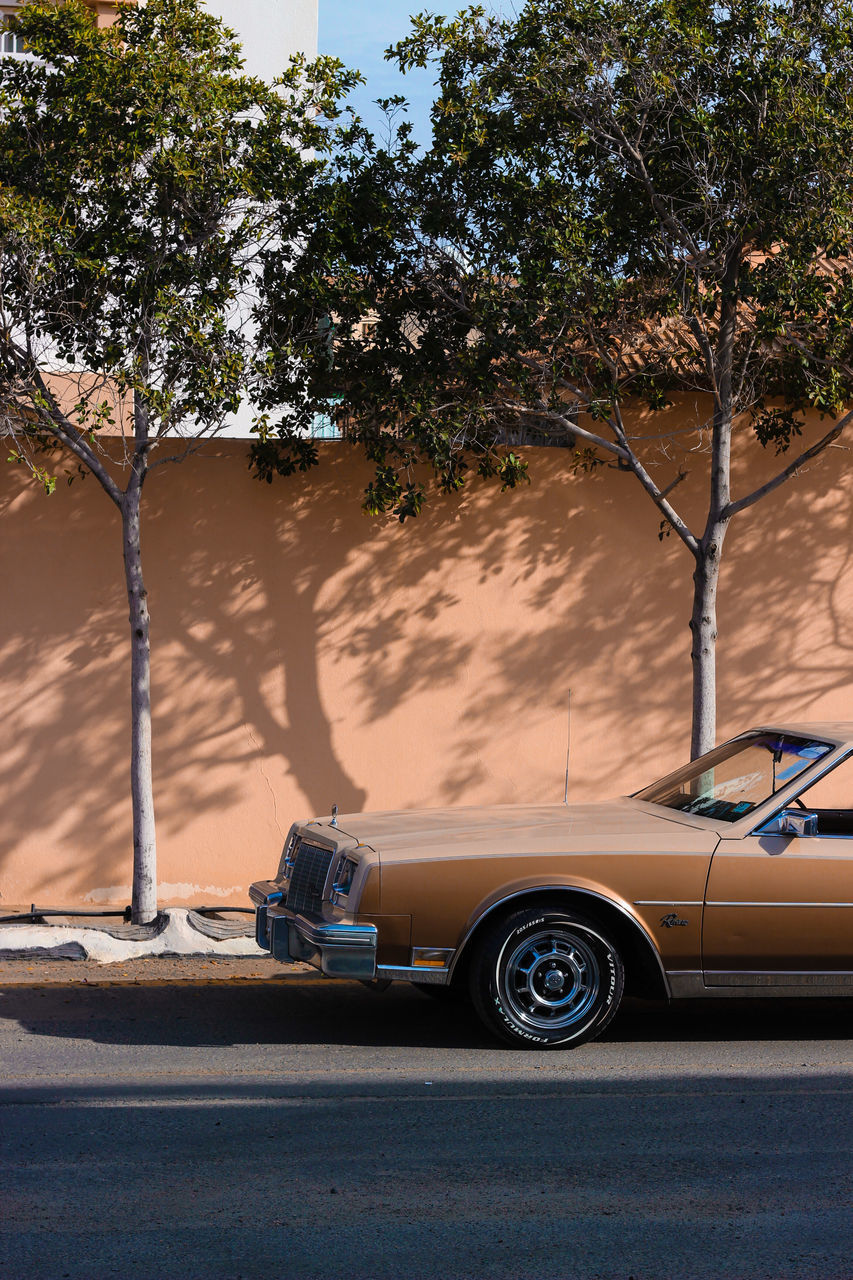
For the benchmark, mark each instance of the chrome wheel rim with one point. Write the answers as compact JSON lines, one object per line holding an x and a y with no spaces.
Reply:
{"x":551,"y":980}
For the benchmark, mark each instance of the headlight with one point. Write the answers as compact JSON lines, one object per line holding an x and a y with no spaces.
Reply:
{"x":344,"y":877}
{"x":285,"y":865}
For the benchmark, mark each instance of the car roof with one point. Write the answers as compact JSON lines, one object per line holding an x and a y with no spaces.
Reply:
{"x":838,"y":731}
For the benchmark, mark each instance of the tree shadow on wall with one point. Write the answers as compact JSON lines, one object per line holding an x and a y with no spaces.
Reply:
{"x":292,"y":635}
{"x":65,"y":674}
{"x":470,"y":606}
{"x":786,"y":624}
{"x":565,"y":584}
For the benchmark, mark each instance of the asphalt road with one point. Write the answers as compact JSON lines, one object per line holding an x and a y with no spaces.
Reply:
{"x":311,"y":1130}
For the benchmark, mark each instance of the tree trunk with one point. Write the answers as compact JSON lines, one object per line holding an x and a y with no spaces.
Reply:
{"x":703,"y":653}
{"x":144,"y":900}
{"x":703,"y":622}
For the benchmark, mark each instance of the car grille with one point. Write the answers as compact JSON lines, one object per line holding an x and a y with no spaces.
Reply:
{"x":308,"y":877}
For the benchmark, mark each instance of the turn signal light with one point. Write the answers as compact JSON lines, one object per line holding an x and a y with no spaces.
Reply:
{"x":431,"y":957}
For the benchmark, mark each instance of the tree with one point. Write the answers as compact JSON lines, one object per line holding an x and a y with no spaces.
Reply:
{"x":137,"y":172}
{"x":620,"y":201}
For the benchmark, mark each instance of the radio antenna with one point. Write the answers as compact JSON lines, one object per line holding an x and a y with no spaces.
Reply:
{"x":568,"y":746}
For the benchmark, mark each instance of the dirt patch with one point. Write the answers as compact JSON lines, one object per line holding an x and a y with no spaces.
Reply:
{"x":39,"y":972}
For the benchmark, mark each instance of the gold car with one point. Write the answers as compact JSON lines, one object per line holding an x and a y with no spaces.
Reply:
{"x":732,"y":876}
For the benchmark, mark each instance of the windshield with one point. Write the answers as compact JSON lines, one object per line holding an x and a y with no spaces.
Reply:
{"x":734,"y":779}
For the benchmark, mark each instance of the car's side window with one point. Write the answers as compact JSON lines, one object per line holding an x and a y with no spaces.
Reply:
{"x":831,"y":798}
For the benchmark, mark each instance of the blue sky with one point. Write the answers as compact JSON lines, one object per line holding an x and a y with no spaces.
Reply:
{"x":358,"y":32}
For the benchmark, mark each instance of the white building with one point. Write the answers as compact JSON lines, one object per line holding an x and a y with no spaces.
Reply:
{"x":270,"y":30}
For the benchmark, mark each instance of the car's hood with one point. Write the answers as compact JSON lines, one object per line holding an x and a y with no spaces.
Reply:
{"x":623,"y":823}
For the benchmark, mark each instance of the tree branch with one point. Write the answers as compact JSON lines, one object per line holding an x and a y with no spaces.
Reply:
{"x":63,"y":430}
{"x":626,"y":454}
{"x":734,"y":508}
{"x":542,"y":411}
{"x":682,"y":475}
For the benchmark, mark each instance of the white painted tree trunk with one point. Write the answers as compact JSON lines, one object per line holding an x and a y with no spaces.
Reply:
{"x":703,"y":652}
{"x":709,"y":552}
{"x":144,"y":900}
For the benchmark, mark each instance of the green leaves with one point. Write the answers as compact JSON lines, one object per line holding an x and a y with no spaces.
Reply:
{"x":619,"y":202}
{"x":39,"y":473}
{"x":141,"y":177}
{"x":778,"y":427}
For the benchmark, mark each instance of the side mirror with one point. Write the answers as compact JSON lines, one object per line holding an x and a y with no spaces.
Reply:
{"x":794,"y":822}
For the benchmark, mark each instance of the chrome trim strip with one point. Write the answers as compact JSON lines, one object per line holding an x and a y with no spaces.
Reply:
{"x":784,"y":973}
{"x":778,"y":904}
{"x":668,"y":902}
{"x":413,"y":973}
{"x":761,"y":978}
{"x":820,"y":835}
{"x":565,"y":888}
{"x":688,"y":984}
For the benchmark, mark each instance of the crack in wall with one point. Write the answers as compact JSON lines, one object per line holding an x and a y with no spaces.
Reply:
{"x":265,"y":777}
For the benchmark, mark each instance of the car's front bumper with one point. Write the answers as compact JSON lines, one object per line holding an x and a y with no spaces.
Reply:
{"x":339,"y":950}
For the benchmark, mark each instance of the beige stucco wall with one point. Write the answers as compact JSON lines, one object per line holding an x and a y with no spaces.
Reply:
{"x":305,"y":654}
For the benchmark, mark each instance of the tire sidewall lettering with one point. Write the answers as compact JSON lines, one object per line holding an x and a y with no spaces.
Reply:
{"x":592,"y":1022}
{"x":530,"y":924}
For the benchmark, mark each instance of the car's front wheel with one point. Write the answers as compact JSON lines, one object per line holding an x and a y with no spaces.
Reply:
{"x":546,"y":978}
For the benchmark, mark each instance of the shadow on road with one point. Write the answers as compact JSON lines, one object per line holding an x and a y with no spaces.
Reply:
{"x":313,"y":1011}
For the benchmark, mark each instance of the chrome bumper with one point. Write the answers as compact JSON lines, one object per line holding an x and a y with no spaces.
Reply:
{"x":338,"y":950}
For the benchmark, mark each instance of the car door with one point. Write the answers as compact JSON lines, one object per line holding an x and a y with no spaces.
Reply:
{"x":779,"y":907}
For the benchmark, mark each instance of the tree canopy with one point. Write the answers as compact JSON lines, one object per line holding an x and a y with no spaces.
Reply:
{"x":137,"y":173}
{"x":620,"y":201}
